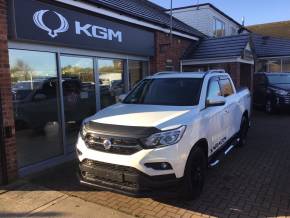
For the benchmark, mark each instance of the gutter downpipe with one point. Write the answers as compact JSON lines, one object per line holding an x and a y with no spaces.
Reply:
{"x":171,"y":22}
{"x":3,"y":169}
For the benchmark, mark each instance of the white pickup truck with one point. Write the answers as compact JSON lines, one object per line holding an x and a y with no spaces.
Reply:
{"x":164,"y":133}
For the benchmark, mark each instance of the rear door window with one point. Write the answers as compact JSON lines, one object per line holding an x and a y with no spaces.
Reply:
{"x":226,"y":87}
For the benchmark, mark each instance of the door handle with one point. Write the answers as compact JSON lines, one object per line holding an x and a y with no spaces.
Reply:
{"x":227,"y":111}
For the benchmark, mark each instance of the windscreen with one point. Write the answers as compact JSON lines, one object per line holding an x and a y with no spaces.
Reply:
{"x":166,"y":91}
{"x":279,"y":78}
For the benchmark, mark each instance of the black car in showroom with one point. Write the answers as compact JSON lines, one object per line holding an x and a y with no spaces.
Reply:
{"x":272,"y":91}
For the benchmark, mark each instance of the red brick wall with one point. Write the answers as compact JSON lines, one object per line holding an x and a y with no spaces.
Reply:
{"x":5,"y":89}
{"x":247,"y":73}
{"x":165,"y":51}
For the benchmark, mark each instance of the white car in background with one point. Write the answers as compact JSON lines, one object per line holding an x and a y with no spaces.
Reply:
{"x":164,"y":133}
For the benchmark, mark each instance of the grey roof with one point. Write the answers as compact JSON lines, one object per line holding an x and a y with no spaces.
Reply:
{"x":224,"y":47}
{"x":266,"y":46}
{"x":148,"y":11}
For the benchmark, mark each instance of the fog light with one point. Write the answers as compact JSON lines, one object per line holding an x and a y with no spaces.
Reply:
{"x":159,"y":166}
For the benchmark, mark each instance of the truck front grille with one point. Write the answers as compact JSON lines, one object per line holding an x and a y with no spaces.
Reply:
{"x":119,"y":145}
{"x":287,"y":99}
{"x":98,"y":171}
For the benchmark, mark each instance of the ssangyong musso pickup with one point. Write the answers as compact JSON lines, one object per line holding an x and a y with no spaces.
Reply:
{"x":164,"y":133}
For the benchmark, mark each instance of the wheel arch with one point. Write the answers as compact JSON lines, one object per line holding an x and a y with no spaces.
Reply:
{"x":246,"y":114}
{"x":202,"y":144}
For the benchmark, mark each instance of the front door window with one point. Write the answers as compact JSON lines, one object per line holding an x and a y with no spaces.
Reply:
{"x":48,"y":118}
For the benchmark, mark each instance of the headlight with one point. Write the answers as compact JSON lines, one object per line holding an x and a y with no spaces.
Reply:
{"x":165,"y":138}
{"x":280,"y":92}
{"x":83,"y":131}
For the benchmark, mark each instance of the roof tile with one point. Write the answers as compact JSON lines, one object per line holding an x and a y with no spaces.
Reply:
{"x":229,"y":46}
{"x":148,"y":11}
{"x":266,"y":46}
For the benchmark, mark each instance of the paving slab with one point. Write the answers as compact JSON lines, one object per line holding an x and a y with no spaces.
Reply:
{"x":24,"y":199}
{"x":30,"y":200}
{"x":76,"y":207}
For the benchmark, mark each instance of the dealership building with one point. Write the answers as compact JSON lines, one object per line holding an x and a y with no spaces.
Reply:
{"x":62,"y":61}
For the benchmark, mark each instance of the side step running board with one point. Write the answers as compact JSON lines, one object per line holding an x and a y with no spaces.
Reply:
{"x":222,"y":153}
{"x":212,"y":164}
{"x":229,"y":149}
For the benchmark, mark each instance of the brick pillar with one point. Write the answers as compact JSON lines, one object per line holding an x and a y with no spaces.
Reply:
{"x":6,"y":95}
{"x":166,"y":53}
{"x":247,"y":73}
{"x":235,"y":72}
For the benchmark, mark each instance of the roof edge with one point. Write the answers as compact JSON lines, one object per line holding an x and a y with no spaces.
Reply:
{"x":115,"y":9}
{"x":159,"y":26}
{"x":213,"y":7}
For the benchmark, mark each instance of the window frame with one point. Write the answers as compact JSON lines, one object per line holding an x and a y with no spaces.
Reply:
{"x":216,"y":20}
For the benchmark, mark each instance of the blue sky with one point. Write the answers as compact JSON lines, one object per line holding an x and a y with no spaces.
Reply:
{"x":255,"y":11}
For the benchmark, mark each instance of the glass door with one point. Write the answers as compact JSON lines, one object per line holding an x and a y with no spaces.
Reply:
{"x":111,"y":80}
{"x":36,"y":98}
{"x":79,"y":94}
{"x":137,"y":71}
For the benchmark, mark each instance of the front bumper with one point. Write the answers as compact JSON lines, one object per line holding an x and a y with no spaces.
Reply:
{"x":123,"y":179}
{"x":169,"y":154}
{"x":282,"y":102}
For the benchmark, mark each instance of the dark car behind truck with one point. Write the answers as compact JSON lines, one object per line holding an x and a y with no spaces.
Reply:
{"x":272,"y":91}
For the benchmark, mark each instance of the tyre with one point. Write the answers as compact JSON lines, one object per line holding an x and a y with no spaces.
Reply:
{"x":269,"y":107}
{"x":243,"y":133}
{"x":194,"y":175}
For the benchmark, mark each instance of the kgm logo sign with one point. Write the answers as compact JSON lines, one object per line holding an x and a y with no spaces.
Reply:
{"x":38,"y":20}
{"x":88,"y":30}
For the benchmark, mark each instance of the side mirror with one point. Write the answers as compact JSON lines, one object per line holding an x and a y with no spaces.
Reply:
{"x":121,"y":97}
{"x":216,"y":101}
{"x":39,"y":97}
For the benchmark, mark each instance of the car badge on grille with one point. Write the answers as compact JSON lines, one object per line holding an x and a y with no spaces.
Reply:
{"x":107,"y":144}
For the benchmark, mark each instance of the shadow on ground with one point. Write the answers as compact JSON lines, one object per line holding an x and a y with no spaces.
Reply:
{"x":253,"y":181}
{"x":39,"y":214}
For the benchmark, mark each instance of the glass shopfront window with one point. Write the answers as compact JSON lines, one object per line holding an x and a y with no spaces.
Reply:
{"x":79,"y":97}
{"x":111,"y":80}
{"x":35,"y":90}
{"x":273,"y":65}
{"x":286,"y":64}
{"x":261,"y":66}
{"x":137,"y":71}
{"x":50,"y":103}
